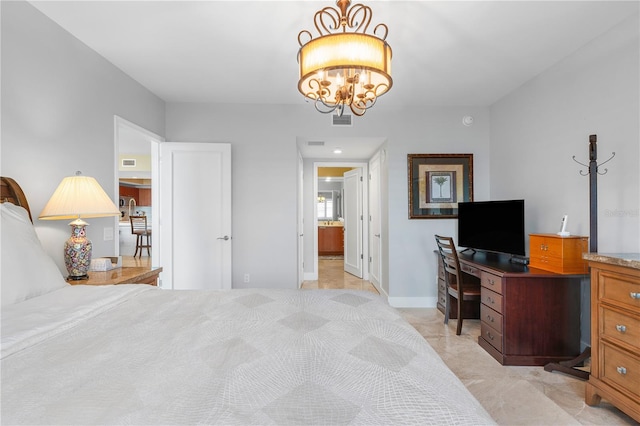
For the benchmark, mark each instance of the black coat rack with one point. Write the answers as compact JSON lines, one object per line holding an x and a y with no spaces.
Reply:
{"x":568,"y":367}
{"x":593,"y":173}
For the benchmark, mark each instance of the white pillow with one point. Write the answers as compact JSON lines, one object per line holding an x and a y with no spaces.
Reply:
{"x":26,"y":269}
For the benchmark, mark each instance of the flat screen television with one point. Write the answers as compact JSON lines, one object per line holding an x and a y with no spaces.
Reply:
{"x":492,"y":226}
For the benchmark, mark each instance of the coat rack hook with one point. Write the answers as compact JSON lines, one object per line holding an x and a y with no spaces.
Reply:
{"x":582,"y":164}
{"x":613,"y":154}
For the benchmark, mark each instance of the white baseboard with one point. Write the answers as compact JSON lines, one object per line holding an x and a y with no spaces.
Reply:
{"x":413,"y":302}
{"x":310,"y":276}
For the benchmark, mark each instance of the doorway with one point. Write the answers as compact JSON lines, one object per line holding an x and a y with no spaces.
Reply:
{"x":133,"y":142}
{"x":346,"y":210}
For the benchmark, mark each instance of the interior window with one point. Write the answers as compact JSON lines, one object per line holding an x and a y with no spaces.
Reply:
{"x":325,"y":205}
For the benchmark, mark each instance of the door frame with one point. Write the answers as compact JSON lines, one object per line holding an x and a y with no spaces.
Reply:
{"x":300,"y":220}
{"x":375,"y":279}
{"x":155,"y":141}
{"x":365,"y":210}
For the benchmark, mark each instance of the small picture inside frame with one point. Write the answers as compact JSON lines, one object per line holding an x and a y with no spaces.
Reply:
{"x":441,"y":187}
{"x":437,"y":183}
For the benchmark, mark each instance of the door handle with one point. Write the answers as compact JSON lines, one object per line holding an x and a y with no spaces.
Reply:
{"x":376,"y":235}
{"x":226,"y":238}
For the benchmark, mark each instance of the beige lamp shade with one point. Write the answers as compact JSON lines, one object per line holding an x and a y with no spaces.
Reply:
{"x":79,"y":197}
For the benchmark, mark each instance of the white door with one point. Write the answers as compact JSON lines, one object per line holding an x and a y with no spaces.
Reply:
{"x":353,"y":222}
{"x":195,"y":215}
{"x":300,"y":221}
{"x":374,"y":221}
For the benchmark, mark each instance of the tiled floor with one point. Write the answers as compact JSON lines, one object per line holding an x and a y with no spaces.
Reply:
{"x":331,"y":275}
{"x":511,"y":395}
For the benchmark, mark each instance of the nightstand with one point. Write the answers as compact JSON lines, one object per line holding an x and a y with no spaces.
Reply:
{"x":124,"y":275}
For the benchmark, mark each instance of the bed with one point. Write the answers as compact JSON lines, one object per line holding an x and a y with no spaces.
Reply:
{"x":136,"y":354}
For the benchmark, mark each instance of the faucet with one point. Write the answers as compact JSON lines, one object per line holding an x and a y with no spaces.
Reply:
{"x":132,"y":200}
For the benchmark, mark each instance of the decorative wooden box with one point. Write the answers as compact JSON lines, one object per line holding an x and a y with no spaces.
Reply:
{"x":562,"y":255}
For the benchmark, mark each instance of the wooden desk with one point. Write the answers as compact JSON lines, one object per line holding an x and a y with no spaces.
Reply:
{"x":528,"y":316}
{"x":124,"y":275}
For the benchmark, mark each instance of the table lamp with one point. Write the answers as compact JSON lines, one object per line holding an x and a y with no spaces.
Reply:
{"x":78,"y":197}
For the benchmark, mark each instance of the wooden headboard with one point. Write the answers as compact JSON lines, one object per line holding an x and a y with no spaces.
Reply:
{"x":11,"y":192}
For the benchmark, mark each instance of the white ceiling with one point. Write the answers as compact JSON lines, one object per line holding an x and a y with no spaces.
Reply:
{"x":444,"y":52}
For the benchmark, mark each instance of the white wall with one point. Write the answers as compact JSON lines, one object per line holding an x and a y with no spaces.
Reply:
{"x":536,"y":130}
{"x":264,"y":157}
{"x":59,"y":99}
{"x":411,"y":243}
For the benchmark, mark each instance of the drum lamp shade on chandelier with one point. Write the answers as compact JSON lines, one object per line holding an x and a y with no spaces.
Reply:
{"x":78,"y":197}
{"x":343,"y":66}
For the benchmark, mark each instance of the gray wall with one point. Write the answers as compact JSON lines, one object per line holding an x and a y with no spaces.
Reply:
{"x":264,"y":152}
{"x":536,"y":130}
{"x":59,"y":99}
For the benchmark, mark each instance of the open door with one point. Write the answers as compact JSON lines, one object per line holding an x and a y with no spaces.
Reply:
{"x":195,"y":207}
{"x":353,"y":222}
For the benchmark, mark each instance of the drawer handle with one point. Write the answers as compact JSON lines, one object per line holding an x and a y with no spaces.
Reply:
{"x":490,"y":301}
{"x":621,"y":328}
{"x":490,"y":281}
{"x":490,"y":318}
{"x":491,"y":337}
{"x":621,"y":370}
{"x":634,"y":295}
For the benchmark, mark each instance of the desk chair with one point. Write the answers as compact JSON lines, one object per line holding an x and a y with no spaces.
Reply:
{"x":457,"y":288}
{"x":140,"y":230}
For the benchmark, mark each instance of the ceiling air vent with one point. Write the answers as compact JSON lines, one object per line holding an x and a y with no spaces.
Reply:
{"x":315,"y":143}
{"x":128,"y":162}
{"x":345,"y":120}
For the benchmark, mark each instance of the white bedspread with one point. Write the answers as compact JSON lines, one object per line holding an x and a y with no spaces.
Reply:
{"x":140,"y":355}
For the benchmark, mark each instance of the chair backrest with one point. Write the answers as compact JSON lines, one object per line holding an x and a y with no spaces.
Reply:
{"x":450,"y":260}
{"x":138,"y":223}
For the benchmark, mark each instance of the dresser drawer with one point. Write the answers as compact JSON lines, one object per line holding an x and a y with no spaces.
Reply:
{"x":621,"y":368}
{"x":492,"y":299}
{"x":491,"y":318}
{"x":621,"y":327}
{"x":491,"y":281}
{"x":442,"y":293}
{"x":548,"y":263}
{"x":441,"y":271}
{"x":467,"y":269}
{"x":619,"y":289}
{"x":493,"y":337}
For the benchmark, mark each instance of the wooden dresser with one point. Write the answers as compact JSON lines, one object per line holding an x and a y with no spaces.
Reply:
{"x":615,"y":332}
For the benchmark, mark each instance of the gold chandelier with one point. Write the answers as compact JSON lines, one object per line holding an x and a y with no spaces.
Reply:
{"x":344,"y":66}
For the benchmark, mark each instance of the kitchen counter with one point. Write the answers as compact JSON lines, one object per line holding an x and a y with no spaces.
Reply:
{"x":629,"y":260}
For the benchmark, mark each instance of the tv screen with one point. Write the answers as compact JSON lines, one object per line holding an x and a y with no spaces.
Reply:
{"x":494,"y":226}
